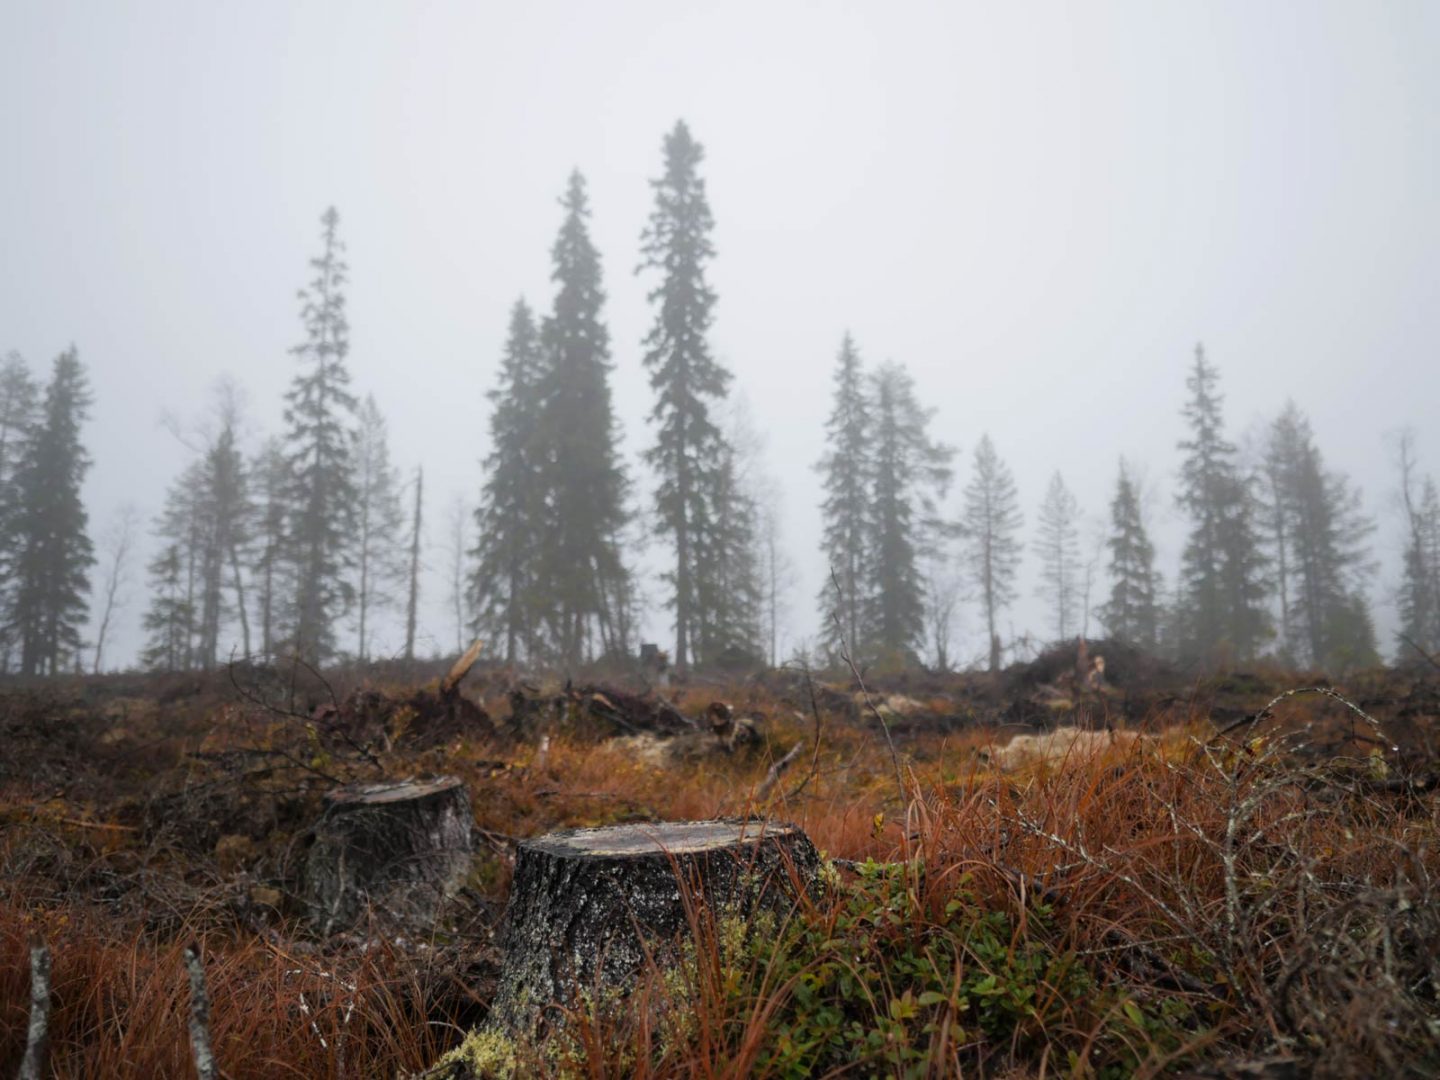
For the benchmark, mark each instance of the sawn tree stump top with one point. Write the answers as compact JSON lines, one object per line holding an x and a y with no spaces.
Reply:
{"x":390,"y":791}
{"x":674,"y":837}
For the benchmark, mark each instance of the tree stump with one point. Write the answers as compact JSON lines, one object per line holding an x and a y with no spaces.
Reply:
{"x":397,"y":849}
{"x":588,"y":905}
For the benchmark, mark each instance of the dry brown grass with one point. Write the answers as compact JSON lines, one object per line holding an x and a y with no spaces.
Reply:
{"x":1280,"y":884}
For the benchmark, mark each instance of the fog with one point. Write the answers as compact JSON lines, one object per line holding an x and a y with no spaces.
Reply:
{"x":1039,"y":209}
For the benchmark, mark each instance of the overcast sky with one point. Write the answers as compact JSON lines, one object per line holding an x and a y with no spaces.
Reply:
{"x":1038,"y":208}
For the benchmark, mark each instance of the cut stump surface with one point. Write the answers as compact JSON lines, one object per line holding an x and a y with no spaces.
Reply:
{"x":587,"y":906}
{"x":397,"y":850}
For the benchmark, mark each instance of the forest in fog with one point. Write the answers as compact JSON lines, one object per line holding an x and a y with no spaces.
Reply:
{"x":307,"y":539}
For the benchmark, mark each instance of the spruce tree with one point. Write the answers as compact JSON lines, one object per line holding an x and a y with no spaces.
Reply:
{"x":910,"y":472}
{"x":582,"y":576}
{"x":845,"y":470}
{"x":1222,"y":576}
{"x":731,"y":590}
{"x":270,"y":474}
{"x":175,"y":641}
{"x":1131,"y":614}
{"x":1419,"y":597}
{"x":990,"y":528}
{"x":169,"y":622}
{"x":223,"y":511}
{"x":1057,"y":546}
{"x":512,"y":515}
{"x":1319,"y":518}
{"x":689,"y":450}
{"x":412,"y":600}
{"x":379,"y":519}
{"x":319,"y":413}
{"x":52,"y":553}
{"x":19,"y":403}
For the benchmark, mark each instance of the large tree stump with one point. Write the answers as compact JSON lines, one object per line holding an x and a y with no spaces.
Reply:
{"x":398,"y":850}
{"x":588,"y":905}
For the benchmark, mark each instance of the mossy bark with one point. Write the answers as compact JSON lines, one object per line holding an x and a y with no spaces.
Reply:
{"x":589,"y":906}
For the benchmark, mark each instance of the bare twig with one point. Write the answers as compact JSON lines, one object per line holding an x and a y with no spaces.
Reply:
{"x":777,"y":769}
{"x":1250,"y":721}
{"x":1423,"y":653}
{"x":37,"y":1038}
{"x":199,"y":1016}
{"x":850,"y":663}
{"x":815,"y":756}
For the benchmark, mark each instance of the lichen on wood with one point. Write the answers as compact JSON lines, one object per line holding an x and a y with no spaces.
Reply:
{"x":396,"y":850}
{"x":590,"y":907}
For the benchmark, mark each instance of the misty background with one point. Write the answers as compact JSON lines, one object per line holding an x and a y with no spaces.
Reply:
{"x":1038,"y":210}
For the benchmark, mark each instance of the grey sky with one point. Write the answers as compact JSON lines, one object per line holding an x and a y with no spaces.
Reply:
{"x":1039,"y":208}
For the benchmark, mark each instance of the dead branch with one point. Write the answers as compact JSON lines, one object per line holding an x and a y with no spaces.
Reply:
{"x":777,"y":770}
{"x":451,"y":683}
{"x":815,"y":756}
{"x":199,"y":1016}
{"x":850,"y":663}
{"x":1251,"y":721}
{"x":37,"y":1039}
{"x":1424,"y":655}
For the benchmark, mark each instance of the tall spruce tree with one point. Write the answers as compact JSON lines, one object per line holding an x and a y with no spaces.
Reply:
{"x":512,"y":514}
{"x":1131,"y":614}
{"x":379,"y":519}
{"x":1057,"y":546}
{"x":270,"y":475}
{"x":583,"y":578}
{"x":910,"y":472}
{"x":19,"y":404}
{"x":52,"y":553}
{"x":174,"y":640}
{"x":1222,"y":576}
{"x":990,"y":528}
{"x":689,"y":451}
{"x":1318,"y":518}
{"x":223,"y":511}
{"x":320,"y":413}
{"x":845,"y":470}
{"x":730,"y":591}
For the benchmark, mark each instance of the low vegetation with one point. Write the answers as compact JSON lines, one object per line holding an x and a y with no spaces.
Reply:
{"x":1159,"y":901}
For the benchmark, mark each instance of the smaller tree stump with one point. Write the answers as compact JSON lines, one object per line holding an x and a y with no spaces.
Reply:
{"x":587,"y":906}
{"x":396,"y":849}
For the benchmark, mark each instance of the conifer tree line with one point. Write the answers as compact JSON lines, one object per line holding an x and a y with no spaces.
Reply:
{"x":305,"y":543}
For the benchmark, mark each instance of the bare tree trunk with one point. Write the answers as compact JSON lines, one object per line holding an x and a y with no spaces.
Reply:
{"x":119,"y":544}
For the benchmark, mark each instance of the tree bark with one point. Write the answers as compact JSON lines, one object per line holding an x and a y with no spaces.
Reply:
{"x":588,"y":906}
{"x":397,"y":850}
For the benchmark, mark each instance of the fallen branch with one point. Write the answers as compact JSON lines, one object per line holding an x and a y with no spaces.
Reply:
{"x":37,"y":1038}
